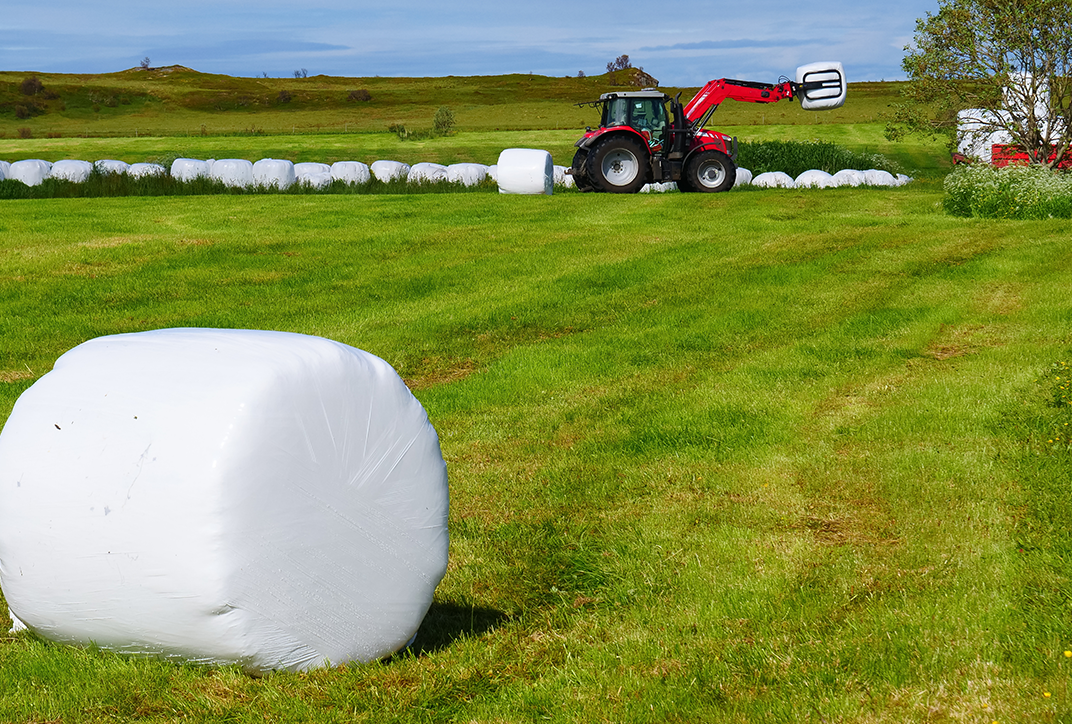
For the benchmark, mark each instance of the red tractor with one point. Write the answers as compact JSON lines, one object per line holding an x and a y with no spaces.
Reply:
{"x":638,"y":143}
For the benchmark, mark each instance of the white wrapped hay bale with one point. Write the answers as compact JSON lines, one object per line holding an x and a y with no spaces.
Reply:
{"x":814,"y":179}
{"x":875,"y":177}
{"x":31,"y":171}
{"x":233,"y":172}
{"x":5,"y":168}
{"x":427,"y":173}
{"x":774,"y":179}
{"x":316,"y":179}
{"x":71,"y":170}
{"x":189,"y":169}
{"x":467,"y":174}
{"x":658,"y":188}
{"x":389,"y":170}
{"x":493,"y":172}
{"x":274,"y":173}
{"x":525,"y":171}
{"x":902,"y":179}
{"x":561,"y":178}
{"x":351,"y":172}
{"x":848,"y":177}
{"x":144,"y":170}
{"x":222,"y":496}
{"x":109,"y":165}
{"x":308,"y":168}
{"x":744,"y":177}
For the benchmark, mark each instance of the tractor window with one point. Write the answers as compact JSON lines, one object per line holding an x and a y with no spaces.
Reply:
{"x":615,"y":113}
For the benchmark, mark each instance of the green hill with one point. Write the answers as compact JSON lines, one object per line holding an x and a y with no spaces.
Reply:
{"x":178,"y":101}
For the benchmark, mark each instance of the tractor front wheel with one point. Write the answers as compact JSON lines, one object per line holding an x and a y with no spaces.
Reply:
{"x":708,"y":172}
{"x":618,"y":165}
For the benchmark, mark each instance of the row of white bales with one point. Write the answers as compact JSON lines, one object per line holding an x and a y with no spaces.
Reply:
{"x":281,"y":174}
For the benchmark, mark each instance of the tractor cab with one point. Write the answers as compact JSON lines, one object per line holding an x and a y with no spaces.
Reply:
{"x":643,"y":111}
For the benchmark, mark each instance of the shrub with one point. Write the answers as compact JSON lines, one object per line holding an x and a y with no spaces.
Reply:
{"x":399,"y":130}
{"x":284,"y":96}
{"x":25,"y":133}
{"x":31,"y":86}
{"x":443,"y":121}
{"x":22,"y":112}
{"x":360,"y":94}
{"x":1012,"y":192}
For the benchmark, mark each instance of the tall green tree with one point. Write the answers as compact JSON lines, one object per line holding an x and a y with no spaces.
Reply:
{"x":1008,"y":60}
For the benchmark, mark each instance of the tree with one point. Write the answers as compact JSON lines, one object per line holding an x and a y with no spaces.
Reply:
{"x":619,"y":63}
{"x":1008,"y":61}
{"x":145,"y":63}
{"x":443,"y":121}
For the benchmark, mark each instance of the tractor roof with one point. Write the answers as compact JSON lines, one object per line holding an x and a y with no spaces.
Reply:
{"x":646,"y":93}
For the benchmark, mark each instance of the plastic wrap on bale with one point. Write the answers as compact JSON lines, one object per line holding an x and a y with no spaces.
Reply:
{"x":427,"y":173}
{"x":814,"y":178}
{"x":267,"y":499}
{"x":71,"y":170}
{"x":189,"y":169}
{"x":5,"y":168}
{"x":386,"y":171}
{"x":774,"y":179}
{"x":274,"y":173}
{"x":110,"y":165}
{"x":233,"y":172}
{"x":467,"y":174}
{"x":31,"y":171}
{"x":744,"y":177}
{"x":143,"y":170}
{"x":351,"y":172}
{"x":525,"y":171}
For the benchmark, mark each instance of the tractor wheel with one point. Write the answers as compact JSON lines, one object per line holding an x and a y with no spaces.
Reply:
{"x":708,"y":172}
{"x":618,"y":165}
{"x":580,"y":174}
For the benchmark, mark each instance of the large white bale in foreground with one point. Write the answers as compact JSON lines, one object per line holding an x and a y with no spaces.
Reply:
{"x":274,"y":173}
{"x":389,"y":170}
{"x":774,"y":179}
{"x":233,"y":172}
{"x":71,"y":170}
{"x":831,"y":94}
{"x":467,"y":174}
{"x":188,"y":169}
{"x":31,"y":171}
{"x":525,"y":171}
{"x":110,"y":165}
{"x":351,"y":172}
{"x":264,"y":498}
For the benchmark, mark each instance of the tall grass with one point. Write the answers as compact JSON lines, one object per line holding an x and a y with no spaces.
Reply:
{"x":780,"y":458}
{"x":796,"y":157}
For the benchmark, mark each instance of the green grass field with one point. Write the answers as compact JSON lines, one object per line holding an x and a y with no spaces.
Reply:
{"x":751,"y":457}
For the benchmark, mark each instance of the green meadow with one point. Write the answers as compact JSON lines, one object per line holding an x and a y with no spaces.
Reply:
{"x":778,"y":456}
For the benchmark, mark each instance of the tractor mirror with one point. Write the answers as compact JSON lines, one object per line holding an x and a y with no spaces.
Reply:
{"x":821,"y":86}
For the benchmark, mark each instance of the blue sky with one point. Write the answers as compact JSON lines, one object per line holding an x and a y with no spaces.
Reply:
{"x":681,"y":42}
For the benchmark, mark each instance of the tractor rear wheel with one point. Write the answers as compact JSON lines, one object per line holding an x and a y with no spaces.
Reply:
{"x":708,"y":172}
{"x":618,"y":165}
{"x":580,"y":173}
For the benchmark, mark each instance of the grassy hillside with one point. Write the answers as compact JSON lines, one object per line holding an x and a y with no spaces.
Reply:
{"x":179,"y":101}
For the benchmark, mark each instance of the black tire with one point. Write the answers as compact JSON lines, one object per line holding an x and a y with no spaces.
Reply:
{"x":580,"y":173}
{"x":708,"y":172}
{"x":618,"y":165}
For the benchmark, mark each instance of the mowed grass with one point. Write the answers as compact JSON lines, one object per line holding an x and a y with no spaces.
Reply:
{"x":737,"y":458}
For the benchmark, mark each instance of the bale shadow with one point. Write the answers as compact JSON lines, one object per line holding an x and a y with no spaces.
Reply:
{"x":445,"y":623}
